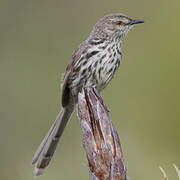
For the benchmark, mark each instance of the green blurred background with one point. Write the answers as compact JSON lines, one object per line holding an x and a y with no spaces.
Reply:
{"x":37,"y":39}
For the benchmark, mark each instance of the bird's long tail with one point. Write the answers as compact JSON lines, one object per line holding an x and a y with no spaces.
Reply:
{"x":46,"y":149}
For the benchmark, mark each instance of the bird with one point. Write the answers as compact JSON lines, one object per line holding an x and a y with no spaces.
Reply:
{"x":93,"y":64}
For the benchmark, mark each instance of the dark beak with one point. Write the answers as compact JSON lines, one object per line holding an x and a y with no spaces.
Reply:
{"x":135,"y":21}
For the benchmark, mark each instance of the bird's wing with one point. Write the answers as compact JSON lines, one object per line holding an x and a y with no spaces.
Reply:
{"x":71,"y":71}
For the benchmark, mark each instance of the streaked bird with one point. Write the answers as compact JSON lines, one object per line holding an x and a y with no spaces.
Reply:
{"x":93,"y":64}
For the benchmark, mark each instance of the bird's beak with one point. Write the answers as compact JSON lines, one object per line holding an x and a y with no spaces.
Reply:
{"x":135,"y":21}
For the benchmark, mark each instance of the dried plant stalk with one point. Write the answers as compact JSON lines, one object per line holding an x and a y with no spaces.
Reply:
{"x":100,"y":139}
{"x":177,"y":170}
{"x":164,"y":173}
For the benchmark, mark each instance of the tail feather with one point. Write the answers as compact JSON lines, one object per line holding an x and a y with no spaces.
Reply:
{"x":44,"y":141}
{"x":46,"y":149}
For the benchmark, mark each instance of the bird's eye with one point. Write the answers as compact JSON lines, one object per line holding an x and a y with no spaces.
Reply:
{"x":119,"y":23}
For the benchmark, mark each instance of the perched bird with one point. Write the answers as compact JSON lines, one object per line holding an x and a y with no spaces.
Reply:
{"x":93,"y":64}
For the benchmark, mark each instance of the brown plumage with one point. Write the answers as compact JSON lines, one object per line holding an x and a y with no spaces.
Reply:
{"x":93,"y":64}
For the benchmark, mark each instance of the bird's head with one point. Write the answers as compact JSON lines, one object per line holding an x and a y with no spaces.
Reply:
{"x":114,"y":25}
